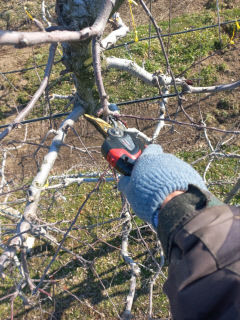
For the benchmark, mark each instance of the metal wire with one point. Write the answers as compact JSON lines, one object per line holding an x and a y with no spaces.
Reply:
{"x":55,"y":116}
{"x":141,"y":39}
{"x":175,"y":33}
{"x":59,"y":115}
{"x":30,"y":68}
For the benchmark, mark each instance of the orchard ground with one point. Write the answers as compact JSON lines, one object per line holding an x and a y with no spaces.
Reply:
{"x":101,"y":296}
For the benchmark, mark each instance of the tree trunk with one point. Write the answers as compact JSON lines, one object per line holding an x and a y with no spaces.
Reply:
{"x":77,"y":56}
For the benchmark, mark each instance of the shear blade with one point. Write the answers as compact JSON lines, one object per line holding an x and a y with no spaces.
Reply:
{"x":101,"y":125}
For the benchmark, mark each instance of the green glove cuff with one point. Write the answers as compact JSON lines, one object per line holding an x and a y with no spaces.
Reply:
{"x":181,"y":210}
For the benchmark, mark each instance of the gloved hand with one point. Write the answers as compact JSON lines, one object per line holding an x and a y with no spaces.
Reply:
{"x":156,"y":175}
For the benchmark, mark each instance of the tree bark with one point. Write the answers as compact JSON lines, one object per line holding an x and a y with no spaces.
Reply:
{"x":75,"y":15}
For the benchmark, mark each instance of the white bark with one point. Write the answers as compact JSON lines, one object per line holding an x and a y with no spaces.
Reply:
{"x":115,"y":35}
{"x":162,"y":110}
{"x":164,"y":80}
{"x":68,"y":181}
{"x":32,"y":38}
{"x":140,"y":73}
{"x":35,"y":189}
{"x":44,"y":14}
{"x":135,"y":270}
{"x":131,"y":67}
{"x":139,"y":134}
{"x":217,"y":88}
{"x":48,"y":162}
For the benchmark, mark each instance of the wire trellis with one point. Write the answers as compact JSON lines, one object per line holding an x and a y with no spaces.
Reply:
{"x":84,"y":239}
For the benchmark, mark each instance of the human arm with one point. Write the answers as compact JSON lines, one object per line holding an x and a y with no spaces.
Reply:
{"x":204,"y":257}
{"x":197,"y":234}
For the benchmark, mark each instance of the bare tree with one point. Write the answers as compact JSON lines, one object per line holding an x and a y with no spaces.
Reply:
{"x":81,"y":30}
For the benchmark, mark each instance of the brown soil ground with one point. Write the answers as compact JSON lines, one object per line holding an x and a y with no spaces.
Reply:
{"x":160,"y":9}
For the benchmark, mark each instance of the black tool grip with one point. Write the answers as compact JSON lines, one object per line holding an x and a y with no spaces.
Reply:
{"x":121,"y":150}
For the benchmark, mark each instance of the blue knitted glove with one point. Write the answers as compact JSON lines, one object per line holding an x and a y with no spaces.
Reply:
{"x":155,"y":175}
{"x":113,"y":107}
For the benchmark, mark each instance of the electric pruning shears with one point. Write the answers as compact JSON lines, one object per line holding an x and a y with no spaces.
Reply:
{"x":120,"y":147}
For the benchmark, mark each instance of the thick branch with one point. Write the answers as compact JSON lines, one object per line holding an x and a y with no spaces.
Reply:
{"x":35,"y":189}
{"x":131,"y":67}
{"x":48,"y":162}
{"x":102,"y":18}
{"x":32,"y":38}
{"x":164,"y":80}
{"x":115,"y":35}
{"x":23,"y":39}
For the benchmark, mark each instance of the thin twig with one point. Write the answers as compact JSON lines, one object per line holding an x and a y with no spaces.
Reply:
{"x":234,"y":190}
{"x":219,"y":24}
{"x":36,"y":96}
{"x":193,"y":125}
{"x":169,"y":70}
{"x":135,"y":270}
{"x":84,"y":302}
{"x":66,"y":234}
{"x":96,"y":50}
